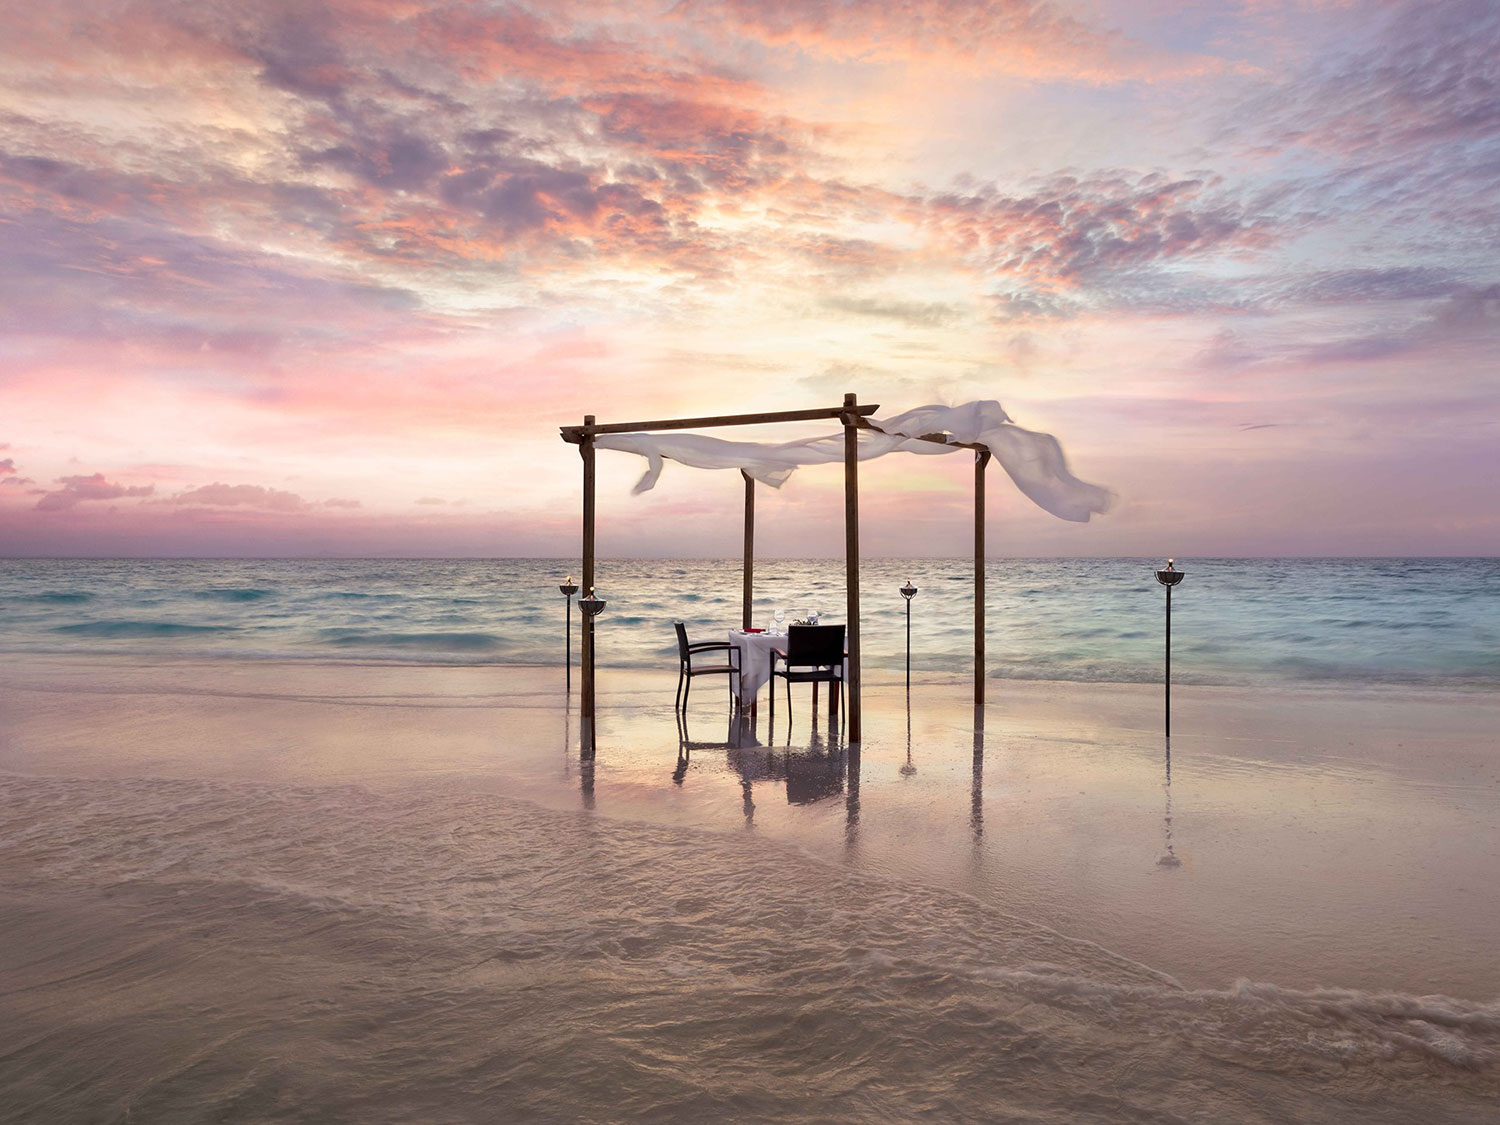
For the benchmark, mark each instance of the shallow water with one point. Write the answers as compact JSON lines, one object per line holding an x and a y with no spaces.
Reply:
{"x":245,"y":952}
{"x":304,"y":891}
{"x":1433,"y":622}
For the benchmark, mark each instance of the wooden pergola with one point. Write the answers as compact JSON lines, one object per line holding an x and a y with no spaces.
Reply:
{"x":853,"y":418}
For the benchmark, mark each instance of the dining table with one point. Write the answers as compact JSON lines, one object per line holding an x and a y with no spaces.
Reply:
{"x":755,"y":650}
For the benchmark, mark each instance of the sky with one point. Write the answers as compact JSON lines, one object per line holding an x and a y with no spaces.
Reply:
{"x":288,"y":277}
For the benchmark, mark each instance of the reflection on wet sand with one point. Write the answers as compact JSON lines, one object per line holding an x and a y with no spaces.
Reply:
{"x":909,"y":768}
{"x":811,"y":772}
{"x":976,"y":783}
{"x":1169,"y":854}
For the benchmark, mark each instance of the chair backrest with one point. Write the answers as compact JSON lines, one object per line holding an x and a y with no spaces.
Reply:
{"x":682,"y":641}
{"x":814,"y":644}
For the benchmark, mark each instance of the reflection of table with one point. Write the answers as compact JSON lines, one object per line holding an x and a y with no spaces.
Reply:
{"x":755,"y":659}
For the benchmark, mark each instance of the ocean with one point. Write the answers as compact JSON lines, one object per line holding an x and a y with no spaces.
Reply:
{"x":313,"y":841}
{"x":1409,"y":622}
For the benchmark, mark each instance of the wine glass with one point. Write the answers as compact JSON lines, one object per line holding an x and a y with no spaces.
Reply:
{"x":780,"y":617}
{"x":812,"y":616}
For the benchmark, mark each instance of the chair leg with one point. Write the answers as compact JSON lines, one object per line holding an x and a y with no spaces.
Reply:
{"x":685,"y":692}
{"x":677,"y":702}
{"x":772,"y":719}
{"x":790,"y":714}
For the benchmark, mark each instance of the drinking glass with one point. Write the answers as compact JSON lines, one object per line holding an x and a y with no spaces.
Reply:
{"x":780,"y":617}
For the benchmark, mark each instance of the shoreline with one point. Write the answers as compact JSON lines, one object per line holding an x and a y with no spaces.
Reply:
{"x":873,"y":678}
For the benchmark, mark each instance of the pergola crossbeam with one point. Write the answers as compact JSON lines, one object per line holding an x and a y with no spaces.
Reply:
{"x":575,"y":434}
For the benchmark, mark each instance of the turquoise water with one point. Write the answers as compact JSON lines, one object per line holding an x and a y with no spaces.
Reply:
{"x":1433,"y":622}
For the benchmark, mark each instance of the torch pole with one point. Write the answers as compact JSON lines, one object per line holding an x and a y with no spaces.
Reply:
{"x":1168,"y":577}
{"x":908,"y":646}
{"x":567,"y":590}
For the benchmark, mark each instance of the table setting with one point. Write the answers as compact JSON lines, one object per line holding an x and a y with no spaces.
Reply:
{"x":756,"y":646}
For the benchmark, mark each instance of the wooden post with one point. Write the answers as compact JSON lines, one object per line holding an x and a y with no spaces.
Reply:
{"x":851,"y":558}
{"x":981,"y":459}
{"x":586,"y":690}
{"x":748,"y":599}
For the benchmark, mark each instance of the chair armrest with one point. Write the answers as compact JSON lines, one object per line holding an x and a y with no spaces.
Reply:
{"x":712,"y":646}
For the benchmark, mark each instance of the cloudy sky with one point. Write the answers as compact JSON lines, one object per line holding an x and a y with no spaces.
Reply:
{"x":299,"y":277}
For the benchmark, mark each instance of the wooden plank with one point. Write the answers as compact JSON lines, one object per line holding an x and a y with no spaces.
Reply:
{"x":748,"y":598}
{"x":575,"y":433}
{"x":934,"y":438}
{"x":851,"y":413}
{"x":981,"y":460}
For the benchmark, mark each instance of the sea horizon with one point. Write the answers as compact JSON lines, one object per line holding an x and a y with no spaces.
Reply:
{"x":711,"y":558}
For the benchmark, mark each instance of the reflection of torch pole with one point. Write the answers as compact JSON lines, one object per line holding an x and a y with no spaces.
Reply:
{"x":908,"y":592}
{"x":568,"y":589}
{"x":1169,"y":578}
{"x":1168,"y":858}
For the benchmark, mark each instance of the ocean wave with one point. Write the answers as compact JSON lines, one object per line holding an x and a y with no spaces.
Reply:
{"x":128,"y":629}
{"x":456,"y":642}
{"x":233,"y":594}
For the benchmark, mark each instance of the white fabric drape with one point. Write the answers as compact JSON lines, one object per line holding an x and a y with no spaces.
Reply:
{"x":1034,"y":461}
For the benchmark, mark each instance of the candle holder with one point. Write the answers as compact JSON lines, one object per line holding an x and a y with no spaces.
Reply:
{"x":591,"y":606}
{"x":1169,"y":577}
{"x":908,"y":592}
{"x":567,"y":589}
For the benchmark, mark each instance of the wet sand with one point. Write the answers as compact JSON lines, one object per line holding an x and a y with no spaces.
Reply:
{"x":355,"y":893}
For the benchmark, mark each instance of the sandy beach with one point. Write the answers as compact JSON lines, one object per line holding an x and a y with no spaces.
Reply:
{"x":340,"y":892}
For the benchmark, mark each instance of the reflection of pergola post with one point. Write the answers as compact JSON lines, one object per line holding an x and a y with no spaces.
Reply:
{"x":851,"y":558}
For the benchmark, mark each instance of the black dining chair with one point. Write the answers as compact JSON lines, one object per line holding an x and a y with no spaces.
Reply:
{"x":687,"y":650}
{"x":814,"y":655}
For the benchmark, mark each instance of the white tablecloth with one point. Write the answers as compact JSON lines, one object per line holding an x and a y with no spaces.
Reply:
{"x":755,"y":659}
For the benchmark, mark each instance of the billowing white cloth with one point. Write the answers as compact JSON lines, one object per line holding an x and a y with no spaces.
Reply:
{"x":1034,"y":461}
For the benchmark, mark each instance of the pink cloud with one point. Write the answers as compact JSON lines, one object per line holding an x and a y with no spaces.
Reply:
{"x":76,"y":489}
{"x":249,"y":495}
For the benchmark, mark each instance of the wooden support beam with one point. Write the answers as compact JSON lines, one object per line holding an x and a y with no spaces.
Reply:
{"x":575,"y":434}
{"x":747,"y":601}
{"x":851,"y":415}
{"x":934,"y":438}
{"x":981,"y":459}
{"x":586,"y":693}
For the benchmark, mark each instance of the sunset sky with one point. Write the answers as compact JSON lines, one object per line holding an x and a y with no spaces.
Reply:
{"x":290,"y":277}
